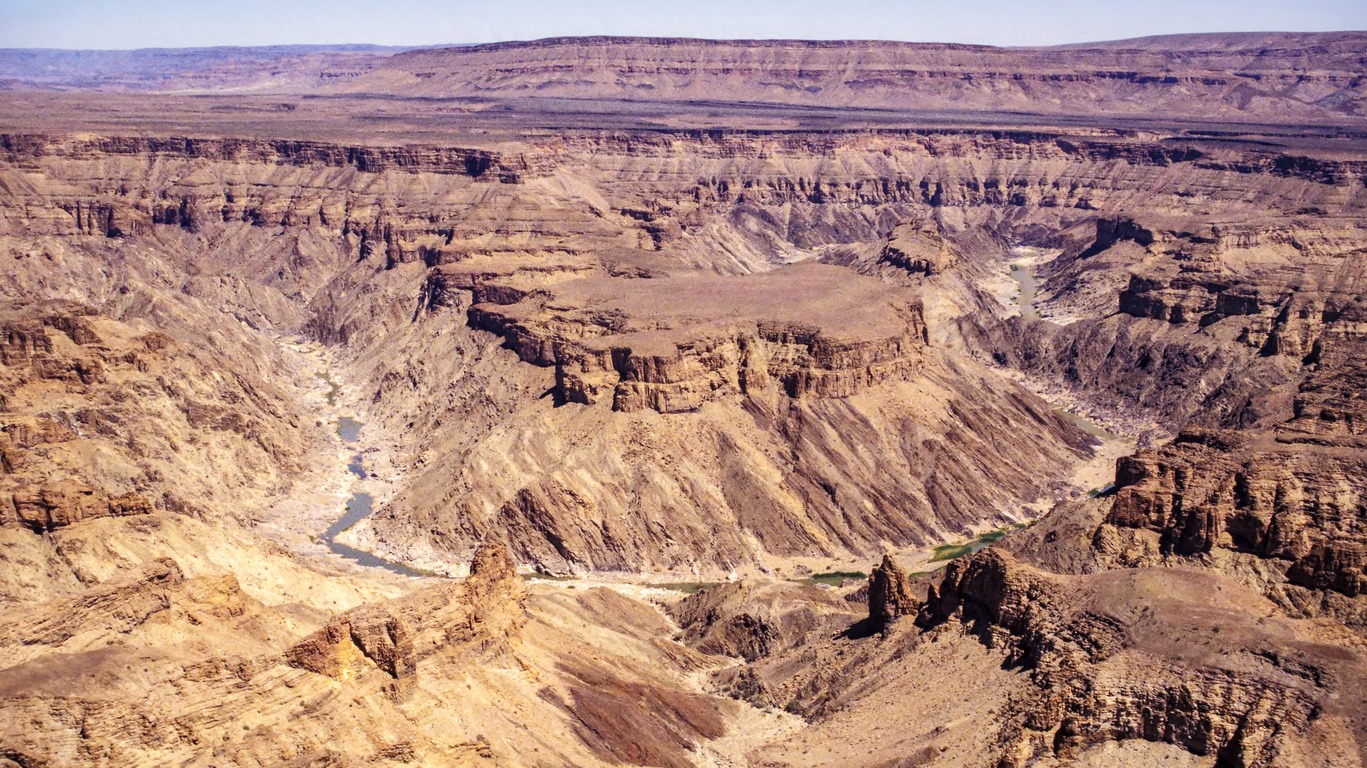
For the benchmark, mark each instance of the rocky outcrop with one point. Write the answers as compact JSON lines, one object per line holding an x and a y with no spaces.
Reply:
{"x":595,"y":678}
{"x":918,"y":248}
{"x":1288,"y":502}
{"x":1110,"y":232}
{"x":1211,"y":323}
{"x":342,"y":650}
{"x":752,"y":619}
{"x":483,"y":613}
{"x":1278,"y":316}
{"x":475,"y":163}
{"x":64,"y":503}
{"x":1108,"y":672}
{"x":102,"y":419}
{"x":636,"y":343}
{"x":138,"y":605}
{"x":1286,"y":493}
{"x":992,"y":590}
{"x":890,"y":595}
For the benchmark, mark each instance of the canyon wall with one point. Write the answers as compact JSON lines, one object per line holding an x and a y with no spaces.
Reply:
{"x":670,"y":356}
{"x":581,"y":255}
{"x":1257,"y":77}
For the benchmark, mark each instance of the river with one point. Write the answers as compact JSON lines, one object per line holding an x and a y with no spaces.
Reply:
{"x":358,"y":508}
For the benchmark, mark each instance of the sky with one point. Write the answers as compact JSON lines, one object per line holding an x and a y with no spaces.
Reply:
{"x":121,"y":24}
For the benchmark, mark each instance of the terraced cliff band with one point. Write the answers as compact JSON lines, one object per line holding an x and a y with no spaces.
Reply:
{"x":770,"y":403}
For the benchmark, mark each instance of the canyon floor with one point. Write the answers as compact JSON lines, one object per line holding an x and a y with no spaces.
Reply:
{"x":684,"y":403}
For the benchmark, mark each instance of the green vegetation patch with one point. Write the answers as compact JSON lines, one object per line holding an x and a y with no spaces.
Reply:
{"x":834,"y":578}
{"x":954,"y":551}
{"x":951,"y":552}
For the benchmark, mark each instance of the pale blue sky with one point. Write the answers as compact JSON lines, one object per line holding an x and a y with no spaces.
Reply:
{"x":184,"y":23}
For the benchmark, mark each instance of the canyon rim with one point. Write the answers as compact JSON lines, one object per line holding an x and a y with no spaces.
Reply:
{"x":675,"y":402}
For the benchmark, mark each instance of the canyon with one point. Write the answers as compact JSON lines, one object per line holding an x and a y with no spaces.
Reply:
{"x":769,"y":403}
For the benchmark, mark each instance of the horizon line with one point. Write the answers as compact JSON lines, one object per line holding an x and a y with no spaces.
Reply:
{"x":364,"y":47}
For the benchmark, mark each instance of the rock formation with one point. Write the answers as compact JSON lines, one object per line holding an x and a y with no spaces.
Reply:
{"x":671,"y":345}
{"x":753,"y":620}
{"x":890,"y":594}
{"x":486,"y":611}
{"x":1207,"y":76}
{"x":1096,"y":653}
{"x":671,"y":323}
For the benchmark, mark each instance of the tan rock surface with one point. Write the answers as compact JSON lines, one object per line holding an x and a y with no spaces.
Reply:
{"x":654,"y":345}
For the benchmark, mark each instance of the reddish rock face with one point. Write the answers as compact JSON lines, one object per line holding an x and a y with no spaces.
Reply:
{"x":638,"y":334}
{"x":1285,"y":492}
{"x":480,"y":616}
{"x":65,"y":503}
{"x":672,"y":345}
{"x":1101,"y":648}
{"x":890,"y":596}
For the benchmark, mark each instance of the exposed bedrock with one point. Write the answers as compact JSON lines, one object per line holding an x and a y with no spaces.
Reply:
{"x":1287,"y":496}
{"x":65,"y":502}
{"x":482,"y":614}
{"x":716,"y":398}
{"x":1211,"y":324}
{"x":1126,"y":655}
{"x":672,"y":344}
{"x":690,"y":356}
{"x":1167,"y":76}
{"x":475,"y":163}
{"x":93,"y":676}
{"x":746,"y":479}
{"x":755,"y":619}
{"x":104,"y":418}
{"x":1293,"y":78}
{"x":890,"y":595}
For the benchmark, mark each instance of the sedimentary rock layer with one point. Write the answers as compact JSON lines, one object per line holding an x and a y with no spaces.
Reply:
{"x":1292,"y":77}
{"x":711,"y":352}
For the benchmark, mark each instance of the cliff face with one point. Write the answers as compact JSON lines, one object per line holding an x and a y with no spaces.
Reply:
{"x":682,"y":354}
{"x":482,"y":617}
{"x":252,"y":682}
{"x":1212,"y":318}
{"x":102,"y":418}
{"x":672,"y":344}
{"x":1112,"y":658}
{"x":1285,"y":495}
{"x":1291,"y":77}
{"x":587,"y":266}
{"x":1249,"y":75}
{"x":754,"y":620}
{"x":591,"y":270}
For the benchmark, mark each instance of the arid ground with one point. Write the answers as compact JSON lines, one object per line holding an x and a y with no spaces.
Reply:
{"x":660,"y":402}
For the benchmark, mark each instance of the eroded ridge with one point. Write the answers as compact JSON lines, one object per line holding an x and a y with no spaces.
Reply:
{"x":671,"y":344}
